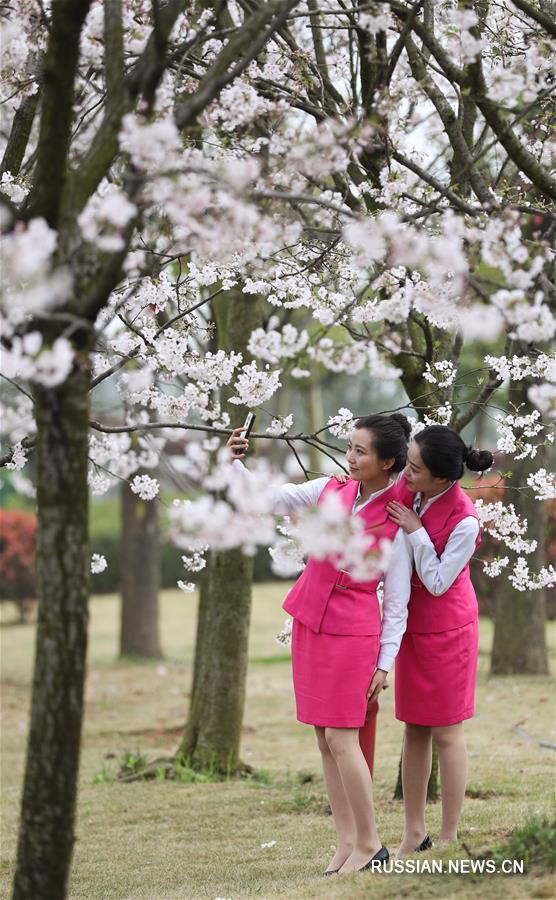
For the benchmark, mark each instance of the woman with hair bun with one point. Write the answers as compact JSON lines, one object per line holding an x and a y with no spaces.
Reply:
{"x":436,"y":665}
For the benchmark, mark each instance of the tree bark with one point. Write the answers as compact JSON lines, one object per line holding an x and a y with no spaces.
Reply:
{"x":212,"y":734}
{"x":519,"y":644}
{"x":46,"y":833}
{"x":140,"y":549}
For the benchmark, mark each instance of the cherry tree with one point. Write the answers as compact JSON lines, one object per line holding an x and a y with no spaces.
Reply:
{"x":201,"y":202}
{"x":101,"y":97}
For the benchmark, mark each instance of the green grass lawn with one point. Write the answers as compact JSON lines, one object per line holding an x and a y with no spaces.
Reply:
{"x":162,"y":840}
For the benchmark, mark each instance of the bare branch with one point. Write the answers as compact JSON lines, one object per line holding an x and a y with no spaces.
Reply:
{"x":60,"y":68}
{"x":241,"y":49}
{"x":539,"y":15}
{"x":507,"y":136}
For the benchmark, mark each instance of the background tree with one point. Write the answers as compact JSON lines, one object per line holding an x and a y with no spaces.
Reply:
{"x":140,"y":567}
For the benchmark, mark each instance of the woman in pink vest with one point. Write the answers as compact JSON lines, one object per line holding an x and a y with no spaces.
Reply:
{"x":341,"y":652}
{"x":437,"y":664}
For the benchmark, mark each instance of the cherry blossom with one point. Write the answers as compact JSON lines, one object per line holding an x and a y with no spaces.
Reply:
{"x":98,"y":563}
{"x":145,"y":487}
{"x":342,"y":424}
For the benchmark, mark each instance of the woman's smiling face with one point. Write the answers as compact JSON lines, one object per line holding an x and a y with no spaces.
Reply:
{"x":418,"y":477}
{"x":362,"y":460}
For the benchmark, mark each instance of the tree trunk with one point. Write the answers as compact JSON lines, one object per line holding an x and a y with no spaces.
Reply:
{"x":519,"y":644}
{"x":46,"y":833}
{"x":212,"y":735}
{"x":139,"y":635}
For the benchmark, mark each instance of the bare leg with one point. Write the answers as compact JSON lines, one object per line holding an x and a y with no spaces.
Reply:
{"x":358,"y":787}
{"x":452,"y":762}
{"x":416,"y":770}
{"x":339,"y":804}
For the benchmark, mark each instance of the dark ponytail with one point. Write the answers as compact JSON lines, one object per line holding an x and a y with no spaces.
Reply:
{"x":444,"y":453}
{"x":389,"y":436}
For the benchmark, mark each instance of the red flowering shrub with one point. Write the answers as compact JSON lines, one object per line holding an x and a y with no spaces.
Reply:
{"x":18,"y":557}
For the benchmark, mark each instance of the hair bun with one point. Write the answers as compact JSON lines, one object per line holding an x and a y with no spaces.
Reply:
{"x":478,"y":460}
{"x":403,"y":422}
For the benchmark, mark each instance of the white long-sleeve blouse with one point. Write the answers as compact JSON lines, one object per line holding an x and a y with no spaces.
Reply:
{"x":439,"y":573}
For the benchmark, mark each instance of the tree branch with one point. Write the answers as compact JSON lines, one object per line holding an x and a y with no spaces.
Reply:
{"x":21,"y":127}
{"x":241,"y":49}
{"x":83,"y":181}
{"x":539,"y":15}
{"x":60,"y":68}
{"x":449,"y":120}
{"x":113,"y":54}
{"x":505,"y":133}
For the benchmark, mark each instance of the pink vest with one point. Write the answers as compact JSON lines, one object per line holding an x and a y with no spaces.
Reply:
{"x":458,"y":605}
{"x":327,"y":599}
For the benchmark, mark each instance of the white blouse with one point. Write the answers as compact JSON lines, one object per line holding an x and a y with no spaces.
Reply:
{"x":439,"y":573}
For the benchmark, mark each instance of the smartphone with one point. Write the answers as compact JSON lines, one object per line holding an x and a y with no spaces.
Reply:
{"x":248,"y":425}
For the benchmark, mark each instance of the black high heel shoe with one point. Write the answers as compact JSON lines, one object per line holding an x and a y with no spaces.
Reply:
{"x":331,"y":872}
{"x":381,"y":856}
{"x":425,"y":844}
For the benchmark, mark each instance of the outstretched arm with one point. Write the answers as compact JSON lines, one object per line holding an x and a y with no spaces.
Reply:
{"x":288,"y":498}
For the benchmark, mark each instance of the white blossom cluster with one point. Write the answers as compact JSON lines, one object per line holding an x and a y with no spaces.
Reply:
{"x":114,"y":457}
{"x":145,"y":487}
{"x":502,"y":522}
{"x":443,"y":373}
{"x":342,"y":424}
{"x":186,"y":586}
{"x":98,"y":563}
{"x":254,"y":387}
{"x":243,"y":519}
{"x":105,"y":217}
{"x":194,"y":562}
{"x":284,"y":636}
{"x":280,"y":425}
{"x":240,"y":518}
{"x":353,"y":358}
{"x":30,"y":282}
{"x":543,"y":396}
{"x":329,"y":530}
{"x":18,"y":458}
{"x":29,"y":358}
{"x":513,"y":432}
{"x":457,"y":37}
{"x":519,"y":367}
{"x":493,"y":567}
{"x":523,"y":579}
{"x":272,"y":345}
{"x":287,"y":557}
{"x":385,"y":240}
{"x":543,"y":483}
{"x":441,"y":415}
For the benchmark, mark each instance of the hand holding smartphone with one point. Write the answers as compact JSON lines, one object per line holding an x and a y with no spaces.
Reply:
{"x":238,"y":443}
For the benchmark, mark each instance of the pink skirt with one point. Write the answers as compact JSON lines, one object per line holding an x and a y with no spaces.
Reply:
{"x":435,"y":676}
{"x":331,"y":676}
